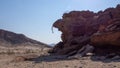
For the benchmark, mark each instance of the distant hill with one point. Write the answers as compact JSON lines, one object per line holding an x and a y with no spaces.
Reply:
{"x":8,"y":38}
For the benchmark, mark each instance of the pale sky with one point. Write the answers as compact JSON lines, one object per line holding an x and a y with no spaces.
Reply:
{"x":34,"y":18}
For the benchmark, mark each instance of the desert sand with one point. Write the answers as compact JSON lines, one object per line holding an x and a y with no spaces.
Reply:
{"x":43,"y":60}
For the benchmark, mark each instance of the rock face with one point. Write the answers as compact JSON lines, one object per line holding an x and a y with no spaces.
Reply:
{"x":107,"y":38}
{"x":80,"y":28}
{"x":8,"y":38}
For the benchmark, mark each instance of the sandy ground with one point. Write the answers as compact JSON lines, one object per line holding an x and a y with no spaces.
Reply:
{"x":6,"y":61}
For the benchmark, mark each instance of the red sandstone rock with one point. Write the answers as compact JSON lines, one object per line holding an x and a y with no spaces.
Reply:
{"x":79,"y":25}
{"x":108,"y":38}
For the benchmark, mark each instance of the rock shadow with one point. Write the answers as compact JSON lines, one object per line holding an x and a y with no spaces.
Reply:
{"x":105,"y":59}
{"x":49,"y":58}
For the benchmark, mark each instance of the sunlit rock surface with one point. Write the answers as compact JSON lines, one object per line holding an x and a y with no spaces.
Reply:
{"x":80,"y":28}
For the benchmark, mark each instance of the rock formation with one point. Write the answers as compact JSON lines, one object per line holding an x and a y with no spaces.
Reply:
{"x":81,"y":28}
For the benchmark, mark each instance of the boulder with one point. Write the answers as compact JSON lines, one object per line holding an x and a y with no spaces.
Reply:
{"x":80,"y":28}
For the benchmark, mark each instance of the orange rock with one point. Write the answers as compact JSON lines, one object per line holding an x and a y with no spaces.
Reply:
{"x":79,"y":25}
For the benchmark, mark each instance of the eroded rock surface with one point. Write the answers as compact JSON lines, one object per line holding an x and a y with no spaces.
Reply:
{"x":80,"y":28}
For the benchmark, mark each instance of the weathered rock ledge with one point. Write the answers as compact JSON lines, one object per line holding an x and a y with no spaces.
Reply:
{"x":86,"y":31}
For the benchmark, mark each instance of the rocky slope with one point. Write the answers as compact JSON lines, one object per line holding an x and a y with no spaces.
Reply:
{"x":86,"y":30}
{"x":8,"y":38}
